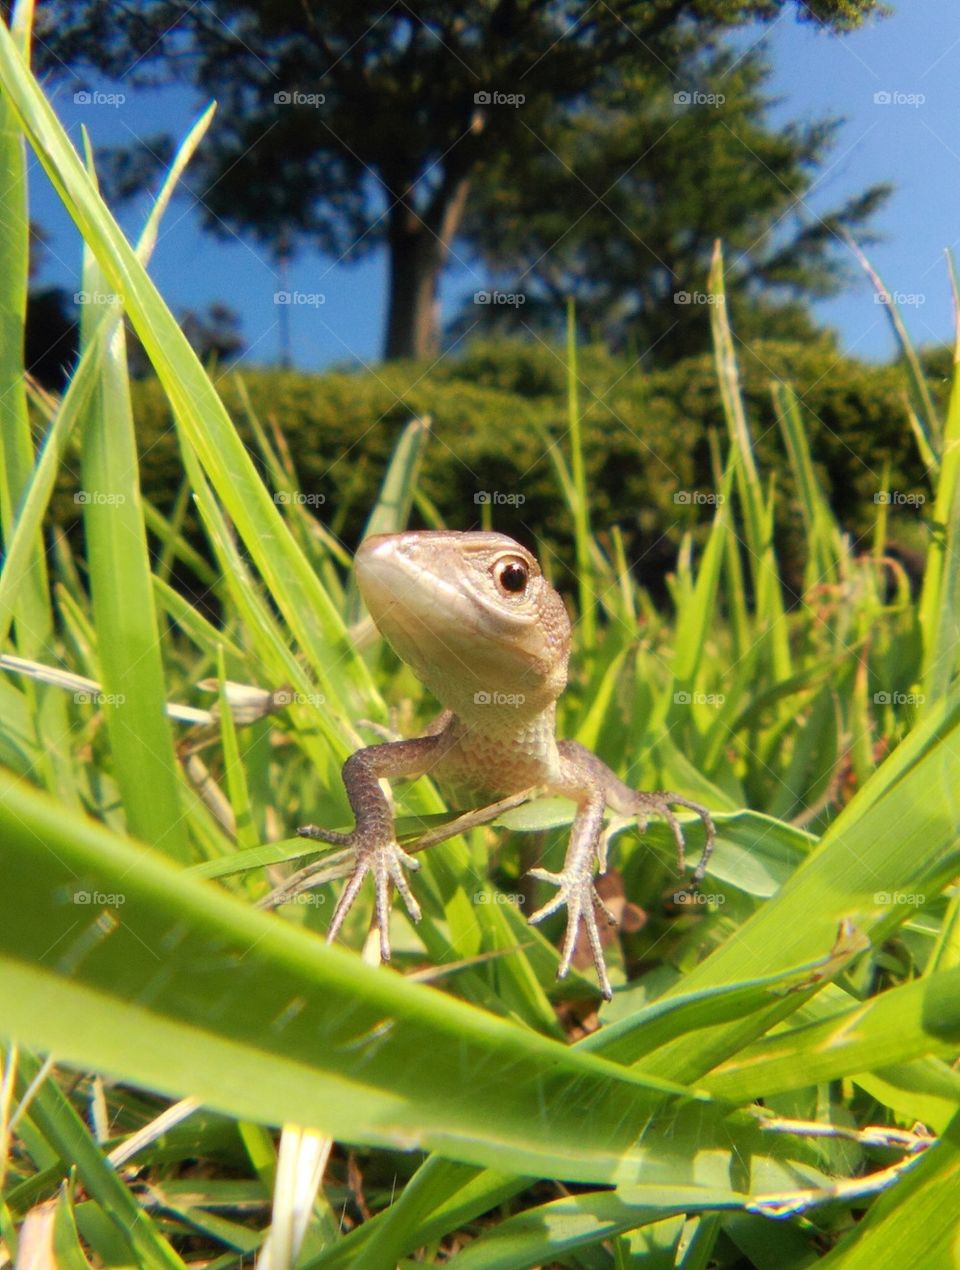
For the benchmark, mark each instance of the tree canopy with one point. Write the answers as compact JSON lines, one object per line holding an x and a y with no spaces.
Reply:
{"x":350,"y":126}
{"x":622,"y":213}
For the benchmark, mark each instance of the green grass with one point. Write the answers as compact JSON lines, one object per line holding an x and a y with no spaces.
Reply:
{"x":461,"y":1099}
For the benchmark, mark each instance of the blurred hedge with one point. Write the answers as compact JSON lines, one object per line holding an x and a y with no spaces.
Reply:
{"x":646,"y":438}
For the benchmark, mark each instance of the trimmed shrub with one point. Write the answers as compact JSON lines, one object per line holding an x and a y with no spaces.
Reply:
{"x":645,"y":439}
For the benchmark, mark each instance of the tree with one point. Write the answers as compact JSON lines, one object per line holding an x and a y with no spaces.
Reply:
{"x":363,"y":122}
{"x":622,"y":213}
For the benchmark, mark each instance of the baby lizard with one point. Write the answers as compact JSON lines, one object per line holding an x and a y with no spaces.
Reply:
{"x":485,"y":632}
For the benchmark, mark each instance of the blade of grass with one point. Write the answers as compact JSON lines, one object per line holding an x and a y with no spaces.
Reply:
{"x":757,"y":511}
{"x":941,"y":576}
{"x":34,"y":616}
{"x":247,"y":836}
{"x":580,"y":505}
{"x":218,"y":1029}
{"x":37,"y":497}
{"x":823,"y":534}
{"x":927,"y":414}
{"x":919,"y":1020}
{"x":898,"y":834}
{"x":128,"y":634}
{"x":54,"y":1116}
{"x":202,"y":419}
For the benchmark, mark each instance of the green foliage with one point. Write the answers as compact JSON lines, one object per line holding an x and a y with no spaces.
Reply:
{"x":645,"y":440}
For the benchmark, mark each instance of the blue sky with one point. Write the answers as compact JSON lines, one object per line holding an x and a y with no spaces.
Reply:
{"x":908,"y":135}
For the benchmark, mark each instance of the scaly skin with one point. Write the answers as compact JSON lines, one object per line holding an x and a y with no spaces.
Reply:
{"x":481,"y":627}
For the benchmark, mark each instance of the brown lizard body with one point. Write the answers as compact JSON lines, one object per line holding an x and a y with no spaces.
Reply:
{"x":475,"y":619}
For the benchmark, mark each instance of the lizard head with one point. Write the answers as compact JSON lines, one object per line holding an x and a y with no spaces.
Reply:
{"x":471,"y":614}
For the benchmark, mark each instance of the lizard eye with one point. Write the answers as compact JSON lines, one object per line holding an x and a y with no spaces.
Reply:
{"x":512,"y":575}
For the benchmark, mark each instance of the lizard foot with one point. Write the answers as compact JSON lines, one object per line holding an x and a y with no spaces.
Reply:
{"x":578,"y":893}
{"x":661,"y":804}
{"x":386,"y":861}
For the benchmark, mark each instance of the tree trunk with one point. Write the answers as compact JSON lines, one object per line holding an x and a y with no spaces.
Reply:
{"x":419,"y":246}
{"x":412,"y":314}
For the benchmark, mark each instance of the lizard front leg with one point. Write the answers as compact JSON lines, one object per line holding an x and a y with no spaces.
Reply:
{"x":576,"y":889}
{"x":373,"y":837}
{"x":640,"y":803}
{"x":595,"y":787}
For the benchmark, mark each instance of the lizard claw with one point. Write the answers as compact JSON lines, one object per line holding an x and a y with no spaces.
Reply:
{"x":661,"y":804}
{"x":386,"y":861}
{"x":580,"y":896}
